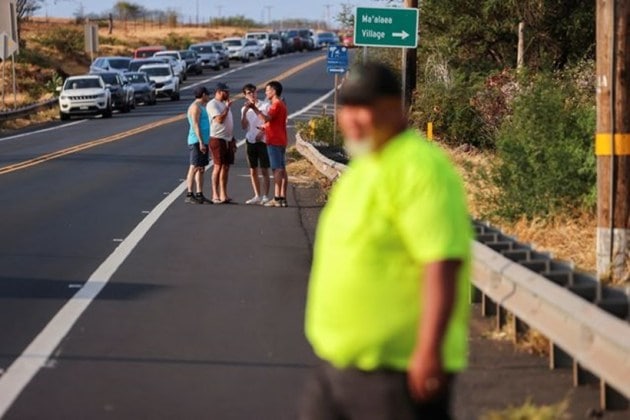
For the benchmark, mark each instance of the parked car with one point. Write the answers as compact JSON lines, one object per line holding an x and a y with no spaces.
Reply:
{"x":175,"y":55}
{"x":193,"y":62}
{"x":84,"y":95}
{"x":209,"y":57}
{"x":294,"y":40}
{"x":121,"y":90}
{"x":166,"y":82}
{"x":146,"y":52}
{"x":265,"y":42}
{"x":234,"y":47}
{"x":326,"y":39}
{"x":119,"y":64}
{"x":134,"y":65}
{"x":251,"y":49}
{"x":223,"y":53}
{"x":277,"y":43}
{"x":348,"y":41}
{"x":178,"y":69}
{"x":307,"y":39}
{"x":143,"y":87}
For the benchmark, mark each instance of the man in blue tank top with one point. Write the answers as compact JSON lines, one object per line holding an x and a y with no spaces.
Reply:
{"x":198,"y":138}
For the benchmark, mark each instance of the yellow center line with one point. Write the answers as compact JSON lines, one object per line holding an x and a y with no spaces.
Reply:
{"x":126,"y":134}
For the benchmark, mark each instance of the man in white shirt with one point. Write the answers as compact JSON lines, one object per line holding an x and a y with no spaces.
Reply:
{"x":222,"y":142}
{"x":257,"y":156}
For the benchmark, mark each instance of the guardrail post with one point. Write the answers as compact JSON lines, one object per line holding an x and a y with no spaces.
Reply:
{"x":475,"y":294}
{"x":502,"y":317}
{"x":611,"y":399}
{"x":519,"y":328}
{"x":558,"y":358}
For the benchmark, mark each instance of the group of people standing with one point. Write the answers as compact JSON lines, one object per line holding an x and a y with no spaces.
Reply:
{"x":211,"y":132}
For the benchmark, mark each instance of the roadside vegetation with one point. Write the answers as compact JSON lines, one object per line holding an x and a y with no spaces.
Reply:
{"x":523,"y":138}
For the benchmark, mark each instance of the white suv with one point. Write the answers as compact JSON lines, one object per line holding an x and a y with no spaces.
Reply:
{"x":166,"y":82}
{"x":84,"y":95}
{"x":175,"y":55}
{"x":265,"y":41}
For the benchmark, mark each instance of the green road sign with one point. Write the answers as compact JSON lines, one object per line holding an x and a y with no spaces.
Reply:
{"x":386,"y":27}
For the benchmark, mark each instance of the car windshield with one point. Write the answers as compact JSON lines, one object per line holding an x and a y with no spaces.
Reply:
{"x":109,"y":79}
{"x":257,"y":36}
{"x":326,"y":35}
{"x":305,"y":33}
{"x":136,"y":77}
{"x":172,"y":55}
{"x":218,"y":46}
{"x":119,"y":63}
{"x":186,"y":54}
{"x":135,"y":65}
{"x":145,"y":53}
{"x":233,"y":42}
{"x":157,"y":71}
{"x":292,"y":34}
{"x":203,"y":49}
{"x":251,"y":43}
{"x":90,"y":83}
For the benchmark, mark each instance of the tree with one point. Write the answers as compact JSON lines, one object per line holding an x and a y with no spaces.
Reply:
{"x":127,"y":10}
{"x":25,"y":8}
{"x":346,"y":17}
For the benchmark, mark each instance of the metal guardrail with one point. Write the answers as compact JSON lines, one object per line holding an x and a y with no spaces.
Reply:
{"x":27,"y":110}
{"x":585,"y":322}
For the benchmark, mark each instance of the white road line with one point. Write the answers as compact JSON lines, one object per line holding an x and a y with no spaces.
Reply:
{"x":44,"y":130}
{"x":36,"y":355}
{"x":311,"y":105}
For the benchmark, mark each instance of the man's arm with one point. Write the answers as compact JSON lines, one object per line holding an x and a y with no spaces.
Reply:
{"x":264,"y":117}
{"x":244,"y":121}
{"x":426,"y":376}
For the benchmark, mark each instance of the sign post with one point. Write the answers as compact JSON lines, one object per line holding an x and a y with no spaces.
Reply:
{"x":91,"y":39}
{"x":337,"y":63}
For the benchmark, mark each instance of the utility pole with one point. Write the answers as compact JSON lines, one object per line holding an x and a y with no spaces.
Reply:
{"x":197,"y":13}
{"x":268,"y":14}
{"x":520,"y":54}
{"x":327,"y":7}
{"x":409,"y":67}
{"x":612,"y":142}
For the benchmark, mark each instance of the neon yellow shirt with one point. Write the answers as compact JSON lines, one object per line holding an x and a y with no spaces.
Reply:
{"x":388,"y":216}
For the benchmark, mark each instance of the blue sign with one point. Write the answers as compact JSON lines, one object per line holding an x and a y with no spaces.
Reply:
{"x":338,"y":60}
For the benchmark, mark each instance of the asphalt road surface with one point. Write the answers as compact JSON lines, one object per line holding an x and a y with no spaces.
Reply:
{"x":201,"y":319}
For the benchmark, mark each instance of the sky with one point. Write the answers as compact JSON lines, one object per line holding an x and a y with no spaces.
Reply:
{"x":255,"y":9}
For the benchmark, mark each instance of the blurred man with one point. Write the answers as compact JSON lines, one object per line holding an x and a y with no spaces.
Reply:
{"x":387,"y":306}
{"x":198,"y":138}
{"x":276,"y":135}
{"x":257,"y":156}
{"x":222,"y":142}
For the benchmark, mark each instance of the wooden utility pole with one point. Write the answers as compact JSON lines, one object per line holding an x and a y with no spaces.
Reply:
{"x":520,"y":54}
{"x":409,"y":66}
{"x":612,"y":143}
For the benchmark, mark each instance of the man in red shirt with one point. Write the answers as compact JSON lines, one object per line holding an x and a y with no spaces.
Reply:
{"x":276,"y":133}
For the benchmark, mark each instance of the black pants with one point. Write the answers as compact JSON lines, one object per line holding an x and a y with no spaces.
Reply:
{"x":350,"y":394}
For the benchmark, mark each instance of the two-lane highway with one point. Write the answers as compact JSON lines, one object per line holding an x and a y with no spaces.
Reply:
{"x":63,"y":214}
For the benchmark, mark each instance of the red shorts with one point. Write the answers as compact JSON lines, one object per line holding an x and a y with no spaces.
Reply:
{"x":222,"y":151}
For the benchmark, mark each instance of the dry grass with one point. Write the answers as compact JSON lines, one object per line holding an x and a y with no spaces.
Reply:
{"x":302,"y":173}
{"x":568,"y":237}
{"x":531,"y":411}
{"x":40,"y":117}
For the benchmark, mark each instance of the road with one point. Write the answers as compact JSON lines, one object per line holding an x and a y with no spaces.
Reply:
{"x":201,"y":307}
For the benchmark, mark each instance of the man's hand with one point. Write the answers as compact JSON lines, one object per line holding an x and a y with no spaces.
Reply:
{"x":229,"y":103}
{"x":202,"y":148}
{"x":426,"y":378}
{"x":260,"y":135}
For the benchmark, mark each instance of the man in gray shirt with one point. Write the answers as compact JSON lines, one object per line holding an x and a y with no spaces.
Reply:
{"x":222,"y":142}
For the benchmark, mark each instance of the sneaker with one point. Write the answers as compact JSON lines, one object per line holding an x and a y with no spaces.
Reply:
{"x":253,"y":200}
{"x":190,"y":199}
{"x":201,"y":199}
{"x":273,"y":203}
{"x":264,"y":200}
{"x":283,"y":203}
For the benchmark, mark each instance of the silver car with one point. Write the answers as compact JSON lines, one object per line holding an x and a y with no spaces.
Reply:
{"x":117,"y":64}
{"x":208,"y":55}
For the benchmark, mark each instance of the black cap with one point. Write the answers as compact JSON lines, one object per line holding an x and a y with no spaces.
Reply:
{"x":369,"y":82}
{"x":200,"y":91}
{"x":222,"y":86}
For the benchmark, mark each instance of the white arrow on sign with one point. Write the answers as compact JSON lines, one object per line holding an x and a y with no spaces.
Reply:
{"x":402,"y":35}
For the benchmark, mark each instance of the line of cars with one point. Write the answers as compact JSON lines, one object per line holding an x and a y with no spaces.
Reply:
{"x":119,"y":83}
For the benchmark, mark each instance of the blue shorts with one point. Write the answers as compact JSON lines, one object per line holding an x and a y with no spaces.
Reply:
{"x":276,"y":156}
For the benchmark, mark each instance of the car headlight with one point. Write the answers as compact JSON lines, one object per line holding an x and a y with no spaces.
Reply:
{"x":63,"y":97}
{"x":101,"y":95}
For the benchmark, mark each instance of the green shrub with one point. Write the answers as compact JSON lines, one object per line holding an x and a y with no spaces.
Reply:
{"x":545,"y":160}
{"x":175,"y":41}
{"x":448,"y":105}
{"x":320,"y":129}
{"x":65,"y":40}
